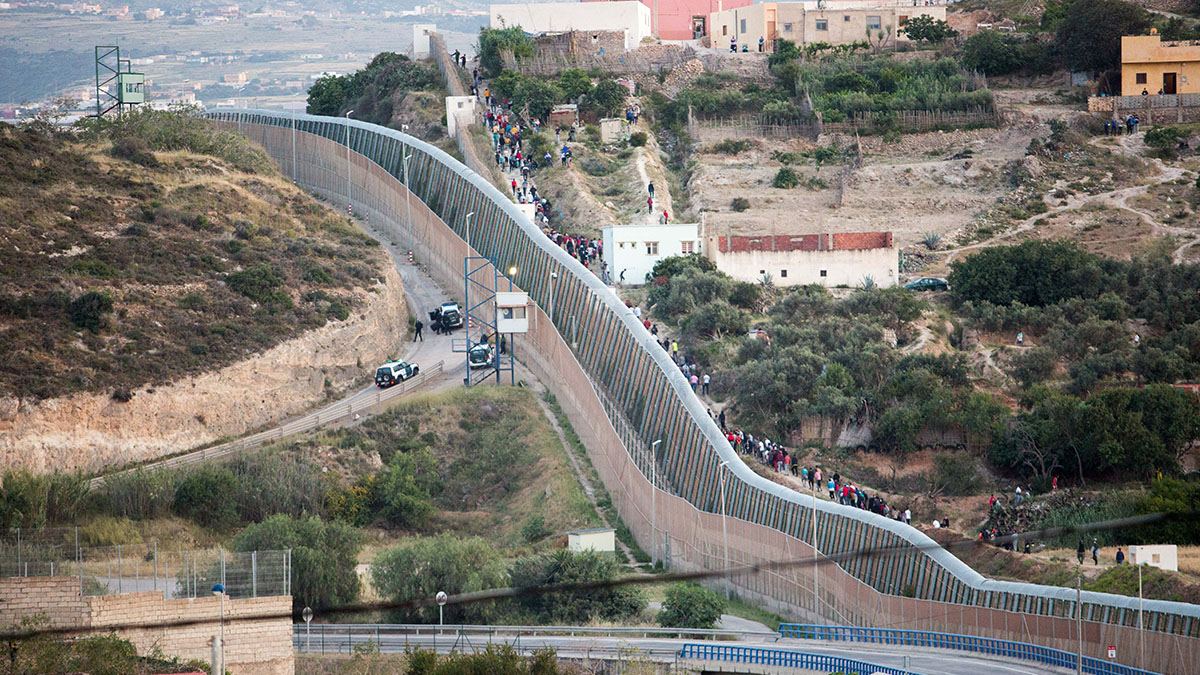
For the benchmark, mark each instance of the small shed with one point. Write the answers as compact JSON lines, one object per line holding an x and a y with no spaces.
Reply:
{"x":595,"y":539}
{"x":1163,"y":556}
{"x":611,"y":129}
{"x":564,"y":115}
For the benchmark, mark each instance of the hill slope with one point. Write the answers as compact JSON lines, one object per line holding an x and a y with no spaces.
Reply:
{"x":172,"y":251}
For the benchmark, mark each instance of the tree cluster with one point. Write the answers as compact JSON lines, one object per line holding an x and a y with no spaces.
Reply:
{"x":372,"y":91}
{"x":605,"y":98}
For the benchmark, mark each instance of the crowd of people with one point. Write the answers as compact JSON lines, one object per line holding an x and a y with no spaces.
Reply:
{"x":1127,"y":126}
{"x":509,"y":135}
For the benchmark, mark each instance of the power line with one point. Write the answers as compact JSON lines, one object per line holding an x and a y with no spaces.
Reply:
{"x":474,"y":597}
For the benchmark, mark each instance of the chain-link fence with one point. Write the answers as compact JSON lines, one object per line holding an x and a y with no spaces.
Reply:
{"x":134,"y":567}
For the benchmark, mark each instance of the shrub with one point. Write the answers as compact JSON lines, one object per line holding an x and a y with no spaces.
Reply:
{"x":259,"y":283}
{"x":324,"y":556}
{"x":732,"y":146}
{"x":740,"y":204}
{"x":140,"y":494}
{"x":992,"y":53}
{"x":637,"y":139}
{"x":317,"y":275}
{"x":134,"y":149}
{"x":786,"y":178}
{"x":931,"y":240}
{"x":576,"y":607}
{"x":206,"y":497}
{"x":404,"y":488}
{"x":690,"y":606}
{"x":421,"y":568}
{"x":955,"y":474}
{"x":1164,"y":138}
{"x":534,"y":529}
{"x":88,"y":310}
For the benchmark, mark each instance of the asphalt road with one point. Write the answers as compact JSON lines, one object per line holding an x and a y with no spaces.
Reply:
{"x":922,"y":661}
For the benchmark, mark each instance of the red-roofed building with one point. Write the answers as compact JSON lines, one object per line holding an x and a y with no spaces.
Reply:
{"x":831,"y":259}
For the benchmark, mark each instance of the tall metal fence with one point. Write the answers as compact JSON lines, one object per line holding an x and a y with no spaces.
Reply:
{"x":717,"y":511}
{"x":143,"y":566}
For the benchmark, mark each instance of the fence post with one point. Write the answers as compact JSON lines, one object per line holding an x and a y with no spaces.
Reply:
{"x":78,"y":562}
{"x":221,"y":551}
{"x":118,"y":568}
{"x":254,"y":574}
{"x":156,"y":569}
{"x":18,"y":553}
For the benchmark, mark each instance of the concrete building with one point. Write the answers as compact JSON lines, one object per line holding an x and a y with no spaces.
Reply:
{"x":834,"y":21}
{"x":596,"y":539}
{"x":1163,"y":556}
{"x":684,"y":19}
{"x":629,"y":16}
{"x":1151,"y":66}
{"x":839,"y":259}
{"x":633,"y":249}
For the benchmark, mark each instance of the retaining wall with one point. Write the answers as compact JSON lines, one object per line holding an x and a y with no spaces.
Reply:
{"x":621,"y":391}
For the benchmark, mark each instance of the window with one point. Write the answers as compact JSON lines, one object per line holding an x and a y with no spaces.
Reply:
{"x":724,"y":30}
{"x":621,"y":244}
{"x":652,"y":248}
{"x":902,"y":20}
{"x":743,"y":25}
{"x":1155,"y":558}
{"x":824,"y":273}
{"x":1141,"y":78}
{"x":782,"y":274}
{"x":787,"y":27}
{"x":685,"y":247}
{"x":822,"y":24}
{"x":845,"y":18}
{"x":874,"y":23}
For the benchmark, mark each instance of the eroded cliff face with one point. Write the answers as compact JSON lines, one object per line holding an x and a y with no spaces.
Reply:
{"x":89,"y":431}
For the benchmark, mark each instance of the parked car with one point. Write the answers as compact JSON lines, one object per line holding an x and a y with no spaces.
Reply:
{"x":394,"y":372}
{"x":451,"y":315}
{"x":928,"y":284}
{"x":481,"y":356}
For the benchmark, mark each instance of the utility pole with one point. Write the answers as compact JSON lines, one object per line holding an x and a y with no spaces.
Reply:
{"x":1079,"y":620}
{"x":724,"y":529}
{"x":1141,"y":631}
{"x":816,"y":566}
{"x":349,"y":203}
{"x":653,"y":478}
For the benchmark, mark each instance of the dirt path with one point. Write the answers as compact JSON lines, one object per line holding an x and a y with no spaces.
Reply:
{"x":1118,"y":198}
{"x":662,"y":190}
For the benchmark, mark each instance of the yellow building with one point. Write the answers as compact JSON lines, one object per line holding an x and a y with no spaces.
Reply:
{"x":1151,"y":66}
{"x":832,"y":21}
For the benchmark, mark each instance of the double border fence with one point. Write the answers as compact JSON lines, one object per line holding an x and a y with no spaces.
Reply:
{"x":591,"y":346}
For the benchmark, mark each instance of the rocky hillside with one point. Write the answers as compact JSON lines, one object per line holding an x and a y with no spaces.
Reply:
{"x":144,"y":250}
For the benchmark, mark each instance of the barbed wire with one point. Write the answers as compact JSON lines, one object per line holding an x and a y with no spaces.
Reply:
{"x":16,"y":634}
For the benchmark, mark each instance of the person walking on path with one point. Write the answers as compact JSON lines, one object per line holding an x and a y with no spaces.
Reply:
{"x":650,"y":189}
{"x":693,"y":380}
{"x":704,"y":388}
{"x":1120,"y":557}
{"x":650,"y":205}
{"x":1095,"y":553}
{"x":417,"y":333}
{"x":760,"y":45}
{"x":1079,"y":552}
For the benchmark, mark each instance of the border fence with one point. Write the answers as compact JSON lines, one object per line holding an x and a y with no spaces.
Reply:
{"x":137,"y":567}
{"x":718,"y":512}
{"x":716,"y":127}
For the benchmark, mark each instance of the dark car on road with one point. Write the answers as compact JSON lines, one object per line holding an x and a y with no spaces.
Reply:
{"x":928,"y":284}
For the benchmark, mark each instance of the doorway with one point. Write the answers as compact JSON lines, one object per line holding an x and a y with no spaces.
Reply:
{"x":1168,"y":83}
{"x":699,"y":29}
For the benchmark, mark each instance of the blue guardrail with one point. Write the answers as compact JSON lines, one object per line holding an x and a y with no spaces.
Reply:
{"x":968,"y":643}
{"x":786,"y":659}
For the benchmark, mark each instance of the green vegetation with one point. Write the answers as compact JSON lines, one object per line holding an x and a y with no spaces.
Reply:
{"x":99,"y":655}
{"x":499,"y":659}
{"x":373,"y":91}
{"x":1089,"y":36}
{"x":786,"y":178}
{"x":925,"y":28}
{"x":690,"y":606}
{"x":200,"y":209}
{"x":494,"y":40}
{"x":538,"y":96}
{"x":421,"y":568}
{"x":323,"y":557}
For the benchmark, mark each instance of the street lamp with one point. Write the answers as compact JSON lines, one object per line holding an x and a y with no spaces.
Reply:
{"x":408,"y":194}
{"x":219,"y":648}
{"x":653,"y":500}
{"x":553,"y":283}
{"x":468,"y":232}
{"x":724,"y":529}
{"x":816,"y":591}
{"x":348,"y":202}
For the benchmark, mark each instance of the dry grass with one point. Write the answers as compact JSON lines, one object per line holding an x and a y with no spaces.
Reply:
{"x":1189,"y":560}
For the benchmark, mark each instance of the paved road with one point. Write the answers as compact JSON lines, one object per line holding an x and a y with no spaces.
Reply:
{"x":923,"y":661}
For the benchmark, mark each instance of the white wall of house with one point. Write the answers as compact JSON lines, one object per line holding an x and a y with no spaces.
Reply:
{"x":633,"y":249}
{"x":1162,"y":556}
{"x":828,"y":268}
{"x":554,"y":17}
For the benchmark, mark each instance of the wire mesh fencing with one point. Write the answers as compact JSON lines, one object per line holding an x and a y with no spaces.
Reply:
{"x":143,"y":566}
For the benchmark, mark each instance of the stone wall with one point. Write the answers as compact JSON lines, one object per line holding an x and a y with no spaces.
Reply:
{"x":252,"y":646}
{"x":89,"y":431}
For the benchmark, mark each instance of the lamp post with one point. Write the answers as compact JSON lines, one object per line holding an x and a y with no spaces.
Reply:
{"x":219,"y":649}
{"x":1079,"y":620}
{"x":816,"y":592}
{"x":408,"y":192}
{"x":724,"y":530}
{"x":307,"y":615}
{"x":348,"y":201}
{"x":294,"y":178}
{"x":653,"y":499}
{"x":553,"y":284}
{"x":468,"y":232}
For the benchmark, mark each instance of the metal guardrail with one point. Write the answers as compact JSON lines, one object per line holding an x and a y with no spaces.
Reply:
{"x":334,"y":413}
{"x":400,"y":629}
{"x":970,"y":643}
{"x":784,"y":659}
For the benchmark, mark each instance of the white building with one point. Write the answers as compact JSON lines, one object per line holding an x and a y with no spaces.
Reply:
{"x":555,"y":17}
{"x":838,"y":259}
{"x":632,"y":250}
{"x":597,"y":539}
{"x":1164,"y":556}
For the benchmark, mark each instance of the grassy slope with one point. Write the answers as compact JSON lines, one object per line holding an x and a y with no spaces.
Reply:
{"x":161,"y":241}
